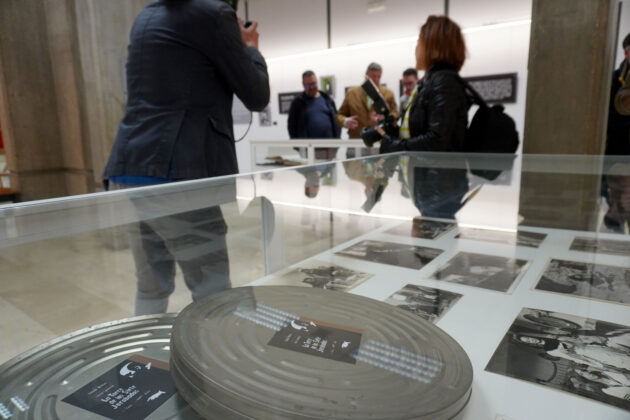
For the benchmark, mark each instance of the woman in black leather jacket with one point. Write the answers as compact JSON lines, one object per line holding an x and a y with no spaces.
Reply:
{"x":435,"y":121}
{"x":437,"y":116}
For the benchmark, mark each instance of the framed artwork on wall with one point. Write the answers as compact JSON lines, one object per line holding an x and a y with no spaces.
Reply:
{"x":284,"y":101}
{"x":327,"y":85}
{"x":496,"y":88}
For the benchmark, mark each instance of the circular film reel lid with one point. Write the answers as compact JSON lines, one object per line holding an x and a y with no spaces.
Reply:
{"x":277,"y":352}
{"x":110,"y":370}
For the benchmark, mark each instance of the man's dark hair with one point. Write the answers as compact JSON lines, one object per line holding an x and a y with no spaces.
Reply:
{"x":410,"y":72}
{"x":626,"y":41}
{"x":308,"y":73}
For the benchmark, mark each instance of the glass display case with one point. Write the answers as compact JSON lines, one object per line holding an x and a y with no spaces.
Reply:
{"x":523,"y":260}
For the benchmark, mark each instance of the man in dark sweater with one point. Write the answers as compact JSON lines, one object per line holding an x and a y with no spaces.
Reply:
{"x":312,"y":115}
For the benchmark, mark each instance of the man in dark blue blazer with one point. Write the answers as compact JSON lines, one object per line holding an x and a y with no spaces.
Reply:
{"x":187,"y":58}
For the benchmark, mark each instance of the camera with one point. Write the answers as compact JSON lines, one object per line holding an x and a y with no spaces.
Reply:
{"x":369,"y":134}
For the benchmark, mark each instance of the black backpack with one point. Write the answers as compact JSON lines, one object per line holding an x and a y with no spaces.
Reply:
{"x":491,"y":129}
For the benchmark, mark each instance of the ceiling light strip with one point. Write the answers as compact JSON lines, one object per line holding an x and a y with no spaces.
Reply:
{"x":393,"y":41}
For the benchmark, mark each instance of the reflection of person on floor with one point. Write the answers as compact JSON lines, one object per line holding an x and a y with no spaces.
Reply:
{"x":436,"y":192}
{"x":374,"y":174}
{"x":313,"y":175}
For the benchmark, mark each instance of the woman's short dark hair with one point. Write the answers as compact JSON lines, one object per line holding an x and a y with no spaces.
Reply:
{"x":441,"y":41}
{"x":626,"y":41}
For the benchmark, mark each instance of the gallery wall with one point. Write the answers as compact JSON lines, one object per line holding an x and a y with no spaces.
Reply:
{"x":497,"y":36}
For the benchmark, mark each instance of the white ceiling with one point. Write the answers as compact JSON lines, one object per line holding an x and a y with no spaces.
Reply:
{"x":296,"y":26}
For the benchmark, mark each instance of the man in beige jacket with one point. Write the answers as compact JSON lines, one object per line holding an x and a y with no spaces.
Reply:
{"x":357,"y":110}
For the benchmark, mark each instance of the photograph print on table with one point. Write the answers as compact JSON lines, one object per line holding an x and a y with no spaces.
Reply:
{"x":426,"y":302}
{"x":602,"y":246}
{"x":519,"y":238}
{"x":422,"y":228}
{"x":594,"y":281}
{"x":579,"y":355}
{"x":400,"y":255}
{"x":480,"y":270}
{"x":322,"y":275}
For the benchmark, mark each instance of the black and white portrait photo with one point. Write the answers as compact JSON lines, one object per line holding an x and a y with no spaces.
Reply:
{"x":595,"y":281}
{"x":519,"y":238}
{"x":426,"y":302}
{"x":603,"y":246}
{"x":422,"y":228}
{"x":321,"y":275}
{"x":579,"y":355}
{"x":480,"y":270}
{"x":400,"y":255}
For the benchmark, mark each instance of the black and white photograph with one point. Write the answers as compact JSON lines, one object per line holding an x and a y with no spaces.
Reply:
{"x":264,"y":117}
{"x":422,"y":228}
{"x":583,"y":356}
{"x":400,"y":255}
{"x":322,"y":275}
{"x":601,"y":246}
{"x":495,"y":88}
{"x":481,"y":270}
{"x":594,"y":281}
{"x":518,"y":238}
{"x":426,"y":302}
{"x":285,"y":99}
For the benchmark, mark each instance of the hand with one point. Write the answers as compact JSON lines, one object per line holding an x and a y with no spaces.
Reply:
{"x":380,"y":130}
{"x":376,"y":117}
{"x":249,"y":35}
{"x":392,"y":145}
{"x":351,"y":122}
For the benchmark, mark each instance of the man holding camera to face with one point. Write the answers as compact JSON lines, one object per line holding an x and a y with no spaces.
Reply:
{"x":357,"y":112}
{"x":186,"y":60}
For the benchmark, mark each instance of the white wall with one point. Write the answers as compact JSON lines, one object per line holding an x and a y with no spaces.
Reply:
{"x":491,"y":50}
{"x":289,"y":26}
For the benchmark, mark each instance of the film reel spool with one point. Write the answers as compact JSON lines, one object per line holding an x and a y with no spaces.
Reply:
{"x":43,"y":376}
{"x":224,"y":366}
